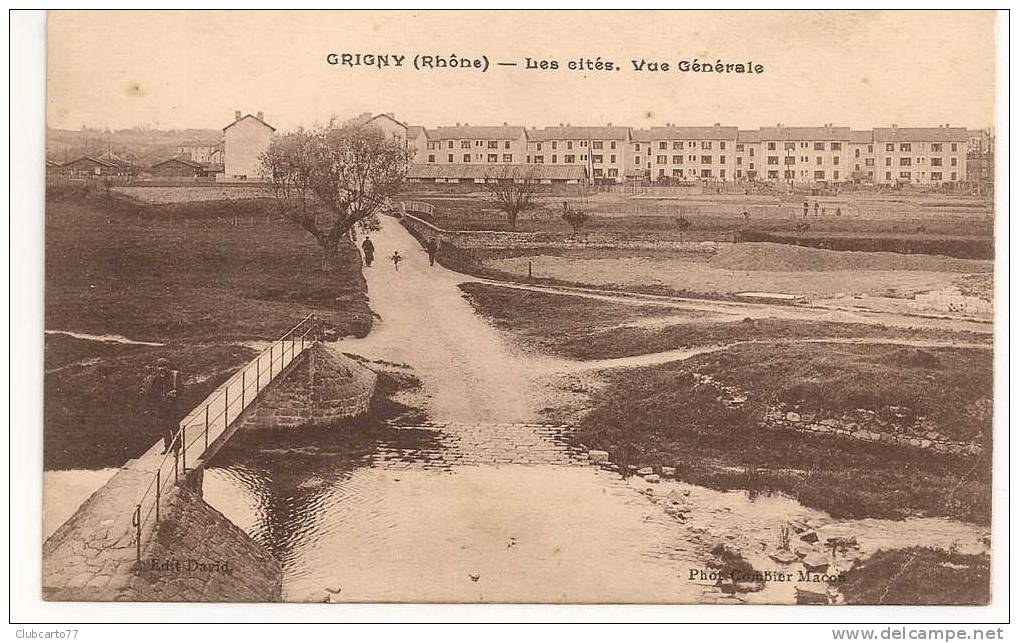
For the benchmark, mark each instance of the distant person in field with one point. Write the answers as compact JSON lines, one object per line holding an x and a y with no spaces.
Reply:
{"x":838,"y":211}
{"x":396,"y":259}
{"x":806,"y":208}
{"x":431,"y":246}
{"x":817,"y":206}
{"x":369,"y":251}
{"x":159,"y":399}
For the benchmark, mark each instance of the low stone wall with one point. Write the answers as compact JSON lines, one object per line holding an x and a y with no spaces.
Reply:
{"x":323,"y":387}
{"x":694,"y":241}
{"x":861,"y":425}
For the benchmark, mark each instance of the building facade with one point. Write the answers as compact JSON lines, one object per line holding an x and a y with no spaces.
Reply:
{"x":506,"y":144}
{"x":244,"y":142}
{"x":920,"y":155}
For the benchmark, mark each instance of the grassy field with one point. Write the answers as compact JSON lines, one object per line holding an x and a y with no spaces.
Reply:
{"x":92,"y":409}
{"x":919,"y":576}
{"x":583,"y":328}
{"x":160,"y":280}
{"x":196,"y":286}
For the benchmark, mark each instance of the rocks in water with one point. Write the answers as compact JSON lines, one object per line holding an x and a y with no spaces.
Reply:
{"x":816,"y":563}
{"x":598,"y":457}
{"x":645,"y":471}
{"x":668,"y":471}
{"x":792,"y":416}
{"x":809,"y":536}
{"x":653,"y":477}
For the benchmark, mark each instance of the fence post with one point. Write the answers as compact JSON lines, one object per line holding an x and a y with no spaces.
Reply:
{"x":226,"y":406}
{"x":184,"y":446}
{"x":159,"y":491}
{"x":271,"y":347}
{"x":244,"y":385}
{"x":258,"y":373}
{"x":137,"y":520}
{"x":206,"y":427}
{"x":176,"y":461}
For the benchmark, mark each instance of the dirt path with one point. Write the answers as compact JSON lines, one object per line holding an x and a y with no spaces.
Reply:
{"x":469,"y":372}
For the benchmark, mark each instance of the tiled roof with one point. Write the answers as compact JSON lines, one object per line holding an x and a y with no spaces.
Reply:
{"x":475,"y":171}
{"x":414,"y":131}
{"x":640,"y":135}
{"x":804,"y":133}
{"x":748,"y":136}
{"x":251,"y":116}
{"x":578,"y":133}
{"x":482,"y":132}
{"x":178,"y":159}
{"x":936,"y":134}
{"x":93,"y":159}
{"x":693,"y":133}
{"x":861,"y":136}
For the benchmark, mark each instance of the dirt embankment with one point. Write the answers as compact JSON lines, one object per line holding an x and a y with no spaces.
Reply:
{"x":785,"y":258}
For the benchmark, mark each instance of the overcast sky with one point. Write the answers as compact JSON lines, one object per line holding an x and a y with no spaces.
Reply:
{"x":193,"y":69}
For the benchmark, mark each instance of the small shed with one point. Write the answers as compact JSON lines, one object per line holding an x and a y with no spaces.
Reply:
{"x":178,"y":167}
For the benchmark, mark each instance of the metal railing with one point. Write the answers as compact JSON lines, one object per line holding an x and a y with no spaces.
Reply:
{"x":210,"y":419}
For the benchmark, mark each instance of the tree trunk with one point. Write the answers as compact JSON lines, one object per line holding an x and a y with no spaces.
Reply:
{"x":330,"y":256}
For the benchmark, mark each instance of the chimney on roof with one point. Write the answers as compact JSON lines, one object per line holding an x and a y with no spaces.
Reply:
{"x":261,"y":116}
{"x":504,"y":123}
{"x":718,"y":124}
{"x":609,"y":125}
{"x":895,"y":126}
{"x":458,"y":124}
{"x":560,"y":124}
{"x":237,"y":115}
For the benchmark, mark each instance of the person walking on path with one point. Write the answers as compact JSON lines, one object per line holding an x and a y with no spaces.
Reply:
{"x":159,"y":396}
{"x":431,"y":247}
{"x":369,"y":251}
{"x":396,"y":259}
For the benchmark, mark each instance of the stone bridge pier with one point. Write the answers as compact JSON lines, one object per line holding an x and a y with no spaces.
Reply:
{"x":182,"y":549}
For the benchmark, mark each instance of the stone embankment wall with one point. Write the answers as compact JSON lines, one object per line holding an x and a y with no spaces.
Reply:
{"x":197,"y":554}
{"x":325,"y":386}
{"x":193,"y":554}
{"x":693,"y":241}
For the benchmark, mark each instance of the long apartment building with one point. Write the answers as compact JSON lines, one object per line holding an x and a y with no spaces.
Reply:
{"x":718,"y":153}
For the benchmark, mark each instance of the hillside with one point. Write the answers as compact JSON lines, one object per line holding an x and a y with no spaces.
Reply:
{"x":141,"y":145}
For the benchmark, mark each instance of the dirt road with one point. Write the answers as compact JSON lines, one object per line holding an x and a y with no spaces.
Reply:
{"x":469,"y":372}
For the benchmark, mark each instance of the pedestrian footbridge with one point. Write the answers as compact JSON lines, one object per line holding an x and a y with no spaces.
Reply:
{"x":136,"y":537}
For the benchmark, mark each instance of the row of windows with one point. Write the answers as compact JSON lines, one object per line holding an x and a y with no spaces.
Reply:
{"x":677,"y":159}
{"x":491,"y":158}
{"x":705,"y":173}
{"x":936,"y":161}
{"x":935,"y":176}
{"x":466,"y":145}
{"x":595,"y":145}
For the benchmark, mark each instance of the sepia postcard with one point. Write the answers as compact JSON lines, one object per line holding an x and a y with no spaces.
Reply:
{"x":554,"y":307}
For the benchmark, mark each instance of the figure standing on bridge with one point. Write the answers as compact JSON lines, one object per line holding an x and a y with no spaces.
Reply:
{"x":396,"y":259}
{"x":159,"y":396}
{"x":431,"y":246}
{"x":369,"y":251}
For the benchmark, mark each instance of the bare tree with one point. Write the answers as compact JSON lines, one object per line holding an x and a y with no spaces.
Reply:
{"x":576,"y":218}
{"x":351,"y":173}
{"x":514,"y":196}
